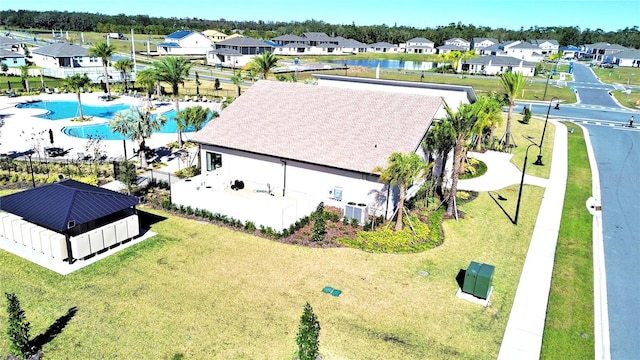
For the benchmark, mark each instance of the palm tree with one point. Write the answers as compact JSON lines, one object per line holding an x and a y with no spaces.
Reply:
{"x":104,"y":52}
{"x":194,"y":117}
{"x":462,"y":123}
{"x":237,"y":81}
{"x":24,"y":76}
{"x":512,"y":83}
{"x":402,"y":171}
{"x":174,"y":71}
{"x":453,"y":57}
{"x":125,"y":66}
{"x":489,"y":116}
{"x":138,"y":125}
{"x":440,"y":140}
{"x":147,"y":79}
{"x":77,"y":82}
{"x":263,"y":64}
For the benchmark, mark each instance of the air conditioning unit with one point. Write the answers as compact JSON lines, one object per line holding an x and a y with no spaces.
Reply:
{"x":356,"y":211}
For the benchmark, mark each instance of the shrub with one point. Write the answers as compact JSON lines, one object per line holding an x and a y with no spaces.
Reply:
{"x":462,"y":195}
{"x":18,"y":329}
{"x":188,"y":172}
{"x":166,"y":203}
{"x":250,"y":226}
{"x":354,"y":222}
{"x":320,"y":225}
{"x":388,"y":241}
{"x":308,"y":334}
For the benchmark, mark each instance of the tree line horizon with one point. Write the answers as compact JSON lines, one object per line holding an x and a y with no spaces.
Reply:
{"x":368,"y":34}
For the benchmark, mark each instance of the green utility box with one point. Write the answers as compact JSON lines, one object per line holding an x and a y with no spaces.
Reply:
{"x":478,"y":279}
{"x":483,"y":281}
{"x":470,"y":276}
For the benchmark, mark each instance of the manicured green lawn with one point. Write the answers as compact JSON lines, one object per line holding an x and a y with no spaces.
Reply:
{"x":569,"y":326}
{"x":620,"y":75}
{"x":212,"y":293}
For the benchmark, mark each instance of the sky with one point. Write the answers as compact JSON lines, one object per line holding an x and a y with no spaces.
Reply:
{"x":608,"y":15}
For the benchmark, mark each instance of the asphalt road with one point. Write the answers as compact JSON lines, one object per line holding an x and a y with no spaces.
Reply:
{"x":617,"y":151}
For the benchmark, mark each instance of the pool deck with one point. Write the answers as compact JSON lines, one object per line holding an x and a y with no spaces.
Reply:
{"x":19,"y":124}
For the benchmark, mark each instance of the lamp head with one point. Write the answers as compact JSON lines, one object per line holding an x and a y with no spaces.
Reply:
{"x":538,"y":161}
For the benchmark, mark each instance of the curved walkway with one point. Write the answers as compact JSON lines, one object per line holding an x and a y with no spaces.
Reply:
{"x":523,"y":335}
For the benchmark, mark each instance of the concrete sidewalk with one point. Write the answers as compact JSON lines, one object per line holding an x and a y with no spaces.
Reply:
{"x":523,"y":336}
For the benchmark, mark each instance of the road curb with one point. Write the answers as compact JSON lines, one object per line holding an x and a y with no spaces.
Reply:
{"x":600,"y":302}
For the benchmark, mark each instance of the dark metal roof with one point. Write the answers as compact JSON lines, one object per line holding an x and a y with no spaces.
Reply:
{"x":55,"y":205}
{"x":180,"y":34}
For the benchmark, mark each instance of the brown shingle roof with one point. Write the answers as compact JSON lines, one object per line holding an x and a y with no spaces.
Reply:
{"x":342,"y":128}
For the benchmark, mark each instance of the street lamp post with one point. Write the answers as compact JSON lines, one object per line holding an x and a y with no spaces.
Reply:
{"x":33,"y":180}
{"x":544,"y":129}
{"x":524,"y":168}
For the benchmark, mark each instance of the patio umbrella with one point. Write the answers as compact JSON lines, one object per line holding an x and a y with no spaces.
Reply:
{"x":51,"y":136}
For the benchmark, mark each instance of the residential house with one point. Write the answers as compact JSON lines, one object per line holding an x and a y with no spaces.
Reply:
{"x":67,"y":220}
{"x":383,"y":47}
{"x":62,"y":59}
{"x":420,"y":45}
{"x":523,"y":50}
{"x":288,"y":39}
{"x":282,"y":148}
{"x":236,"y":52}
{"x":215,"y":35}
{"x":13,"y":59}
{"x":602,"y":51}
{"x":458,"y":42}
{"x":570,"y":52}
{"x":481,"y":43}
{"x":185,"y":43}
{"x":547,"y":47}
{"x":350,"y":46}
{"x":627,"y":58}
{"x":496,"y":65}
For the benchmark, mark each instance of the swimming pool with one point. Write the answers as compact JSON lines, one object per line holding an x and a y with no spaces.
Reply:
{"x":104,"y":132}
{"x":58,"y":110}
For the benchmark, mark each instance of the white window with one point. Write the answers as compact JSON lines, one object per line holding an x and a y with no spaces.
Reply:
{"x":214,"y":161}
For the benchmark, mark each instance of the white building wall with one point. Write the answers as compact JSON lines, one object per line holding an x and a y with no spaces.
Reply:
{"x":306,"y":186}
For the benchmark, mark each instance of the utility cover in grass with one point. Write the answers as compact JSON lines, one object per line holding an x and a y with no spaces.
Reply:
{"x":331,"y":291}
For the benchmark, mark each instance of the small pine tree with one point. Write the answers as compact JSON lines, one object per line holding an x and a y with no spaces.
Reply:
{"x":18,"y":329}
{"x":526,"y":115}
{"x":216,"y":84}
{"x":308,"y":333}
{"x":320,"y":225}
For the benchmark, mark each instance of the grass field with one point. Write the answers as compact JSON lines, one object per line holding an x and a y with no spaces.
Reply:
{"x":569,"y":325}
{"x":208,"y":292}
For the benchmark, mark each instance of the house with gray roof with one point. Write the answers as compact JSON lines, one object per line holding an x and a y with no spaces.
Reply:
{"x":547,"y":47}
{"x":627,"y":58}
{"x":238,"y":51}
{"x":12,"y":58}
{"x":316,"y":43}
{"x":479,"y":43}
{"x":420,"y":45}
{"x":496,"y":65}
{"x":291,"y":153}
{"x":524,"y":50}
{"x":458,"y":42}
{"x":383,"y":47}
{"x":185,"y":43}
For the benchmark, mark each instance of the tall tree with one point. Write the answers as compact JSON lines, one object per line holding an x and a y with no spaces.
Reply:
{"x":174,"y":71}
{"x":236,"y":79}
{"x":439,"y":140}
{"x":462,"y":122}
{"x":263,"y":64}
{"x":138,"y":125}
{"x":125,"y":66}
{"x":489,"y":112}
{"x":513,"y":83}
{"x":24,"y":76}
{"x":194,"y":117}
{"x":402,"y":171}
{"x":104,"y":52}
{"x":76,"y":83}
{"x":147,"y":79}
{"x":308,"y":335}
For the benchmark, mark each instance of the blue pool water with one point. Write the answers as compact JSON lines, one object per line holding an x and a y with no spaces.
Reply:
{"x":388,"y":64}
{"x":57,"y":110}
{"x":103,"y":131}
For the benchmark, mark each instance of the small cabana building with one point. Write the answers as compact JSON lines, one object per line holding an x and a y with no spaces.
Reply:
{"x":67,"y":220}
